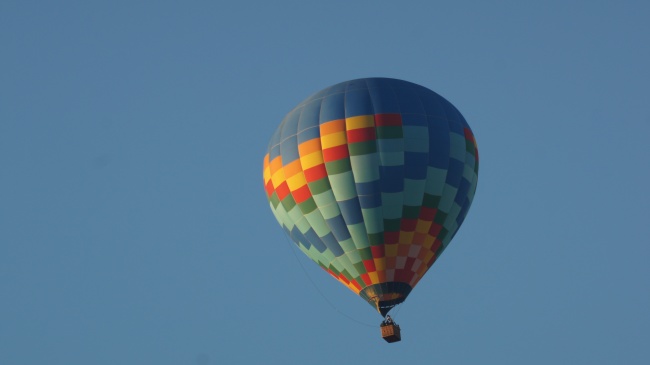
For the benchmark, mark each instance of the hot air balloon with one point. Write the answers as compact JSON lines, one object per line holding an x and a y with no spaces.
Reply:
{"x":372,"y":178}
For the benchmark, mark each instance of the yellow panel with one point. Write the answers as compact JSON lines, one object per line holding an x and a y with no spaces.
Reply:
{"x":292,"y":169}
{"x":333,"y":140}
{"x":276,"y":165}
{"x":266,"y":160}
{"x":278,"y":178}
{"x":311,"y":160}
{"x":423,"y":226}
{"x":390,"y":250}
{"x":267,"y":174}
{"x":405,"y":237}
{"x":296,"y":182}
{"x":380,"y":264}
{"x":428,"y":242}
{"x":310,"y":146}
{"x":362,"y":121}
{"x":427,"y":257}
{"x":332,"y":127}
{"x":373,"y":277}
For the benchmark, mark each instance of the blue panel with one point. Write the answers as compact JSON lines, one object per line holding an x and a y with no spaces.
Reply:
{"x":290,"y":123}
{"x":315,"y":240}
{"x":463,"y":212}
{"x":351,"y":211}
{"x":358,"y":84}
{"x":332,"y":108}
{"x":274,"y":152}
{"x":383,"y":98}
{"x":308,"y":134}
{"x":414,"y":120}
{"x":370,"y":201}
{"x":289,"y":150}
{"x":415,"y":165}
{"x":439,"y":143}
{"x":409,"y":100}
{"x":456,"y":121}
{"x":297,"y":236}
{"x":432,"y":103}
{"x":332,"y":244}
{"x":454,"y":172}
{"x":392,"y":178}
{"x":338,"y":228}
{"x":309,"y":116}
{"x":368,"y":188}
{"x":461,"y":195}
{"x":358,"y":102}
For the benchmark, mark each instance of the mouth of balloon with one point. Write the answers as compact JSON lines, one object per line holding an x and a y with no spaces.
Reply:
{"x":384,"y":296}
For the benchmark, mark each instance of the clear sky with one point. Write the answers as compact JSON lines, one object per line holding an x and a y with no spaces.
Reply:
{"x":134,"y":228}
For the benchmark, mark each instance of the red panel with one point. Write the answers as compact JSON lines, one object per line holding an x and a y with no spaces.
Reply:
{"x":343,"y":279}
{"x":391,"y":237}
{"x":335,"y":153}
{"x":356,"y":285}
{"x":427,"y":214}
{"x":269,"y":188}
{"x":361,"y":135}
{"x":370,"y":265}
{"x":283,"y":190}
{"x":366,"y":279}
{"x":301,"y":194}
{"x":435,"y":229}
{"x":315,"y":173}
{"x":388,"y":120}
{"x":378,"y":251}
{"x":408,"y":225}
{"x":409,"y":263}
{"x":404,"y":276}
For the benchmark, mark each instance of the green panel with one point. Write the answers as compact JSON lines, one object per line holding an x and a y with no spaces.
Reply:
{"x":389,"y":132}
{"x":307,"y":206}
{"x":376,"y":239}
{"x":373,"y":219}
{"x":362,"y":148}
{"x":343,"y":186}
{"x":392,"y":225}
{"x":337,"y":167}
{"x":288,"y":202}
{"x":416,"y":132}
{"x":359,"y":235}
{"x":365,"y":168}
{"x":411,"y":212}
{"x":319,"y":186}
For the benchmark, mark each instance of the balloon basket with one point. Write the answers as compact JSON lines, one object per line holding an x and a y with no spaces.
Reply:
{"x":391,"y":333}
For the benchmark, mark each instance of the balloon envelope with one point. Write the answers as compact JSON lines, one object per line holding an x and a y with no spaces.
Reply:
{"x":371,"y":178}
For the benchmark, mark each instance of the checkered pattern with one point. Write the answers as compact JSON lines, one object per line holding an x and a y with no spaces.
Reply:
{"x":372,"y":178}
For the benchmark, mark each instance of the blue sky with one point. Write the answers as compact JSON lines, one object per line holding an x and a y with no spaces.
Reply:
{"x":134,"y":227}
